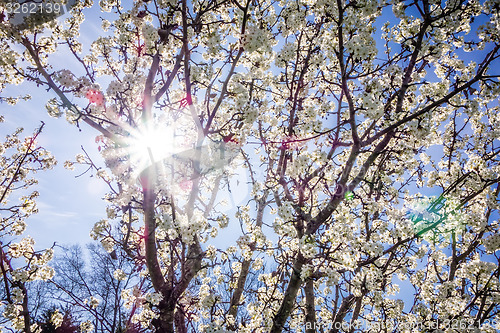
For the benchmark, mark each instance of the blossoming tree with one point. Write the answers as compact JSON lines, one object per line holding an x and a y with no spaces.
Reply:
{"x":19,"y":262}
{"x":348,"y":115}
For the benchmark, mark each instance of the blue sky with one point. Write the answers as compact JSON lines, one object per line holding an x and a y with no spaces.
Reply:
{"x":68,"y":206}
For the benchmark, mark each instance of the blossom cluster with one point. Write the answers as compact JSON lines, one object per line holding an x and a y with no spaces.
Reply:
{"x":21,"y":263}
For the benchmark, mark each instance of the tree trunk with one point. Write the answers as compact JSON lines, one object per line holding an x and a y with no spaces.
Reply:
{"x":165,"y":322}
{"x":310,"y":307}
{"x":235,"y":298}
{"x":290,"y":295}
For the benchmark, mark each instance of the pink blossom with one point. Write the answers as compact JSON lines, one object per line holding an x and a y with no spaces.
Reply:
{"x":95,"y":96}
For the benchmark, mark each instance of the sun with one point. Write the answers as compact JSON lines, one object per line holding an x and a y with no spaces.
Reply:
{"x":150,"y":144}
